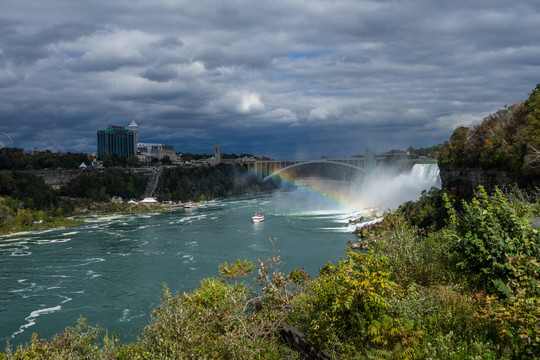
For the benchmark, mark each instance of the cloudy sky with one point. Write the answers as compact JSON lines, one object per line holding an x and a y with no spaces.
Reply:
{"x":285,"y":79}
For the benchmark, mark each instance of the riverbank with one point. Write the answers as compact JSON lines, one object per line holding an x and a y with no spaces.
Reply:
{"x":61,"y":223}
{"x":412,"y":294}
{"x":25,"y":220}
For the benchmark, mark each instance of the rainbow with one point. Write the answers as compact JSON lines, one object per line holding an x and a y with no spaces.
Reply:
{"x":329,"y":197}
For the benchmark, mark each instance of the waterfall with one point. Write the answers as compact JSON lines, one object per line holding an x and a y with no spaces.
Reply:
{"x":386,"y":188}
{"x":427,"y":173}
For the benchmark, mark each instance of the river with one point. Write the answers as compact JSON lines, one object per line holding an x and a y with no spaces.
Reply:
{"x":112,"y":269}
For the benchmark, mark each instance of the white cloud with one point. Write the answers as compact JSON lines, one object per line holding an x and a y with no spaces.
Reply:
{"x":282,"y":115}
{"x":450,"y":122}
{"x":249,"y":103}
{"x":320,"y":113}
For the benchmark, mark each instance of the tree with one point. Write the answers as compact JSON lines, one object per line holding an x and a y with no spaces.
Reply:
{"x":532,"y":107}
{"x":166,"y":160}
{"x":133,"y":160}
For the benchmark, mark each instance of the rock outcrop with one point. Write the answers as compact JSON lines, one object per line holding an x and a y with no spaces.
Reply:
{"x":466,"y":180}
{"x":56,"y":179}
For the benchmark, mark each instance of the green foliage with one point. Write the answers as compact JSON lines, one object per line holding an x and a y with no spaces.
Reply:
{"x":513,"y":323}
{"x":205,"y":183}
{"x":345,"y":301}
{"x":15,"y":218}
{"x":429,"y":152}
{"x":211,"y":322}
{"x":17,"y":159}
{"x":450,"y":347}
{"x":414,"y":256}
{"x":426,"y":212}
{"x":487,"y":233}
{"x":508,"y":140}
{"x":28,"y":189}
{"x":103,"y":186}
{"x":132,"y":160}
{"x":236,"y":270}
{"x":532,"y":158}
{"x":79,"y":342}
{"x":436,"y":309}
{"x":499,"y":142}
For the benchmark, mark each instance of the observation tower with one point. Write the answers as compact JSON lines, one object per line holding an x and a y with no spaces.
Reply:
{"x":135,"y":130}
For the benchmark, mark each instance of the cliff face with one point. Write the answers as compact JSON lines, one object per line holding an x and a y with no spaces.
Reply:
{"x":466,"y":180}
{"x":56,"y":179}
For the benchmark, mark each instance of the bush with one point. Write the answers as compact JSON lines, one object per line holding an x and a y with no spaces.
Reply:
{"x":345,"y":308}
{"x":486,"y":234}
{"x":79,"y":342}
{"x":211,"y":322}
{"x":414,"y":257}
{"x":428,"y":212}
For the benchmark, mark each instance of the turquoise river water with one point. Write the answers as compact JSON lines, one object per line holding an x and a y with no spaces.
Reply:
{"x":112,"y":269}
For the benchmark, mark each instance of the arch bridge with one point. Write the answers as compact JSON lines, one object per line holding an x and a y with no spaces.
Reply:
{"x":265,"y":169}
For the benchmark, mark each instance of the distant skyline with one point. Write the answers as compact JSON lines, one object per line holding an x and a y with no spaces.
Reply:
{"x":283,"y":79}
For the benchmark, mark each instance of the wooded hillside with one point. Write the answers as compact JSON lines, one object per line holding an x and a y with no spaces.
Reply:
{"x":508,"y":140}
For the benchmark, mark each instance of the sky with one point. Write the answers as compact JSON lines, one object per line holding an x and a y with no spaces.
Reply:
{"x":283,"y":79}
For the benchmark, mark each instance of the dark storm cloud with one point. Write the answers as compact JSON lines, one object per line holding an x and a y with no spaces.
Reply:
{"x":275,"y":78}
{"x":31,"y":47}
{"x":160,"y":74}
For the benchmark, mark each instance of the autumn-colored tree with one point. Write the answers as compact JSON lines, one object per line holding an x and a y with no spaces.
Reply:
{"x":507,"y":140}
{"x":532,"y":106}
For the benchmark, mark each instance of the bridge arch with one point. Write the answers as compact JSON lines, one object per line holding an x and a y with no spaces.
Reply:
{"x":313,"y":162}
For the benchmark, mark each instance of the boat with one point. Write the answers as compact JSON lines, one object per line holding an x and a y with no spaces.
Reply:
{"x":257,"y":218}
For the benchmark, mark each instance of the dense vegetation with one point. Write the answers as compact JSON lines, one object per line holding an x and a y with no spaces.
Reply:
{"x":468,"y":290}
{"x":27,"y":203}
{"x":28,"y":189}
{"x":427,"y":152}
{"x":205,"y":183}
{"x":17,"y":159}
{"x":507,"y":140}
{"x":101,"y":186}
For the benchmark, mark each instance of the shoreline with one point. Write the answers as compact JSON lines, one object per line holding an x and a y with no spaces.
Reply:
{"x":65,"y":222}
{"x":74,"y":223}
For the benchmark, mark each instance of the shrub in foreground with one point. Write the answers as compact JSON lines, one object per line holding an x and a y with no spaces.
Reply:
{"x":487,"y":233}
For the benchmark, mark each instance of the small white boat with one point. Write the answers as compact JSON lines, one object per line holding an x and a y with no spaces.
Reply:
{"x":257,"y":218}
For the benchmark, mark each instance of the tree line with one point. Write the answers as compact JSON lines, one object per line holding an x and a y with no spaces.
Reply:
{"x":205,"y":183}
{"x":17,"y":159}
{"x":507,"y":140}
{"x":26,"y":202}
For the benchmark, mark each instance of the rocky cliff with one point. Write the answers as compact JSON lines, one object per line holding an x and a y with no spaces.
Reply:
{"x":466,"y":180}
{"x":56,"y":179}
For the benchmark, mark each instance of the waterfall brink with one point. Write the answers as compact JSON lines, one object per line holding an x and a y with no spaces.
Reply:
{"x":386,"y":189}
{"x":427,"y":173}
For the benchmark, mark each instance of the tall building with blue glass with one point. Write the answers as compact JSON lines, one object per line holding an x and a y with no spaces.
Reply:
{"x":116,"y":140}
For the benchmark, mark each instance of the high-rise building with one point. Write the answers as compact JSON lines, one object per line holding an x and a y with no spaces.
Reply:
{"x":116,"y":140}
